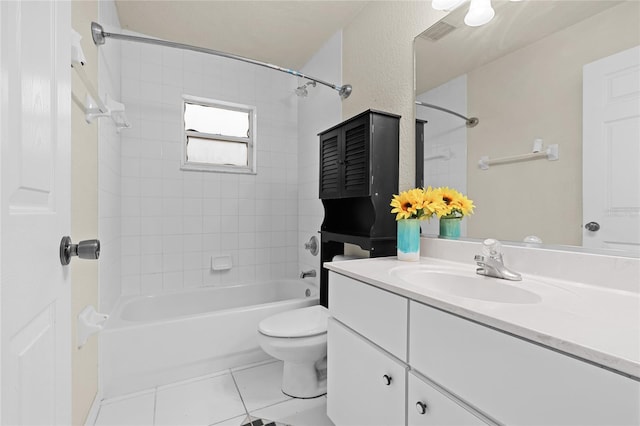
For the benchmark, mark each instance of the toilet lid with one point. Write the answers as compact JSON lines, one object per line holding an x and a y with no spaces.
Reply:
{"x":303,"y":322}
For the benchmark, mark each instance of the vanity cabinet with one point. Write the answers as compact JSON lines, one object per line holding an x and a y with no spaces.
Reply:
{"x":456,"y":371}
{"x":516,"y":381}
{"x":366,"y":385}
{"x":369,"y":382}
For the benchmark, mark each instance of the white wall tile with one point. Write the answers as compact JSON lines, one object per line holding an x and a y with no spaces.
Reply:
{"x":175,"y":220}
{"x":109,"y":172}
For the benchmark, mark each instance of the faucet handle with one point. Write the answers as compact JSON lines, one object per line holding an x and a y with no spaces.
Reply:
{"x":492,"y":248}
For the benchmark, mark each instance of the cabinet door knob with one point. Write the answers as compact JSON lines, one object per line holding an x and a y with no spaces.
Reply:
{"x":421,"y":407}
{"x":387,"y":379}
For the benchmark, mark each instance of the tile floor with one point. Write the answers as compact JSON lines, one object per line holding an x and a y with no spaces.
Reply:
{"x":235,"y":397}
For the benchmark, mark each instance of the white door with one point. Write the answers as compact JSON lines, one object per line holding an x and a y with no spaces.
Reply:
{"x":611,"y":152}
{"x":35,"y":324}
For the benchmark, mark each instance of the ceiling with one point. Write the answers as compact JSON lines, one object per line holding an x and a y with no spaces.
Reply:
{"x":285,"y":33}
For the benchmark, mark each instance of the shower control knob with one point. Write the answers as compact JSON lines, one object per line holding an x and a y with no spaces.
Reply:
{"x":592,"y":226}
{"x":387,"y":379}
{"x":87,"y":249}
{"x":421,"y":407}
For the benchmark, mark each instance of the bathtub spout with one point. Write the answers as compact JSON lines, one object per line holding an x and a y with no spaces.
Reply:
{"x":309,"y":273}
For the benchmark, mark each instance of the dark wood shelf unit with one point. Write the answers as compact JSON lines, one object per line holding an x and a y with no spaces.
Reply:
{"x":358,"y":176}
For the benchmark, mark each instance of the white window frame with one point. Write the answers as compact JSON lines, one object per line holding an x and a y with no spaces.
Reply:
{"x":251,"y":141}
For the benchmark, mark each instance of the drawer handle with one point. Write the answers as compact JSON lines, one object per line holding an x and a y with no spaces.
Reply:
{"x":387,"y":379}
{"x":421,"y":407}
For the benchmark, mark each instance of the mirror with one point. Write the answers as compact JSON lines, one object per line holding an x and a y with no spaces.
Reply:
{"x":521,"y":75}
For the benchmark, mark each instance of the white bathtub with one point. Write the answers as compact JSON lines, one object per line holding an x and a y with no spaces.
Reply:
{"x":158,"y":339}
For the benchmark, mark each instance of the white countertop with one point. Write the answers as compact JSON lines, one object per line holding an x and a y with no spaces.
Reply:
{"x":597,"y":324}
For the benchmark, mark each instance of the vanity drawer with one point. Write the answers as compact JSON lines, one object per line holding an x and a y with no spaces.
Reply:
{"x":378,"y":315}
{"x":513,"y":380}
{"x":426,"y":405}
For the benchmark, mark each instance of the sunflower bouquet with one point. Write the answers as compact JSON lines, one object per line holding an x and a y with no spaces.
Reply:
{"x":424,"y":203}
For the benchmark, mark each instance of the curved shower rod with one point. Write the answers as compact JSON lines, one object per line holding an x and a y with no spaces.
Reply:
{"x":99,"y":35}
{"x":471,"y":122}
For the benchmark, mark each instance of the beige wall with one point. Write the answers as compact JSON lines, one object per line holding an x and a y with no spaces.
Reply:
{"x":377,"y":60}
{"x":84,"y":216}
{"x":537,"y":92}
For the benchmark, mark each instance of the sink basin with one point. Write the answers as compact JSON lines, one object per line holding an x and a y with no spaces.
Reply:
{"x":467,"y":285}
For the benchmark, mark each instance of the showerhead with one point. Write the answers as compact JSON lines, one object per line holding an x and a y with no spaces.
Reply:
{"x":302,"y":91}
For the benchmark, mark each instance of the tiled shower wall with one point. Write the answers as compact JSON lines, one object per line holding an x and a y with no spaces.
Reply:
{"x":174,"y":221}
{"x":109,"y":204}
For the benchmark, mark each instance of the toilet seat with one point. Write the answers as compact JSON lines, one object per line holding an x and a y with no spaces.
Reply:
{"x":303,"y":322}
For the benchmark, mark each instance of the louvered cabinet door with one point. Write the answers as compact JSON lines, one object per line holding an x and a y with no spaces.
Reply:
{"x":356,"y":138}
{"x":330,"y":164}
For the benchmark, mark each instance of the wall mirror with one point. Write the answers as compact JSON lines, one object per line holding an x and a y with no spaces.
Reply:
{"x":522,"y":76}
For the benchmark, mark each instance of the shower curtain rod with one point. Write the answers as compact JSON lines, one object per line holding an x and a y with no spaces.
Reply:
{"x":98,"y":34}
{"x":471,"y":122}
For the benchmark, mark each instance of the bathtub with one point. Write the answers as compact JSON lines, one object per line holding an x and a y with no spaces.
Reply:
{"x":158,"y":339}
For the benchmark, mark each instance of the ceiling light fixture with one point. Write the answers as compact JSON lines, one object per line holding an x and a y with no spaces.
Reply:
{"x":480,"y":11}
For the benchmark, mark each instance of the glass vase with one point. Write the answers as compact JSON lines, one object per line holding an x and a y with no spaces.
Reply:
{"x":409,"y":239}
{"x":450,"y":227}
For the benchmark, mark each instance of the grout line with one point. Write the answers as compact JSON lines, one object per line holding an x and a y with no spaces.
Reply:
{"x":254,"y":364}
{"x":155,"y":405}
{"x":239,"y":393}
{"x":97,"y":415}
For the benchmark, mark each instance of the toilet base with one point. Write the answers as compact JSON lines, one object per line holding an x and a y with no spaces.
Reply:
{"x":304,"y":379}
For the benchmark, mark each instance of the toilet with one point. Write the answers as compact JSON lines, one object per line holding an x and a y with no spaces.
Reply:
{"x":299,"y":338}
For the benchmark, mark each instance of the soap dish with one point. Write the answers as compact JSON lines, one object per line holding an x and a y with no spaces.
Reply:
{"x":221,"y":263}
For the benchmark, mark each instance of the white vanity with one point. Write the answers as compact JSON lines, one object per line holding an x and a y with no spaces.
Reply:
{"x":544,"y":351}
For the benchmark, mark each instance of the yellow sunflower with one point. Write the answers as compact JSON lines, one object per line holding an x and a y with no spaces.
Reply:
{"x":433,"y":203}
{"x":407,"y":203}
{"x":457,"y":204}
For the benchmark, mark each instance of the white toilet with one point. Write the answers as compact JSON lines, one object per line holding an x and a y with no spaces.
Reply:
{"x":299,"y":338}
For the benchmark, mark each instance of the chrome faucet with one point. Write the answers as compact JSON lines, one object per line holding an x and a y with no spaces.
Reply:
{"x":491,"y":263}
{"x":309,"y":273}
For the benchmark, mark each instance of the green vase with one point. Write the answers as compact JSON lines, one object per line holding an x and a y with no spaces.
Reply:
{"x":450,"y":228}
{"x":409,"y":239}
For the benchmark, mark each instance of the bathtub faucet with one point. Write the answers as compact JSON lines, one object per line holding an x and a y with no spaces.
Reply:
{"x":309,"y":273}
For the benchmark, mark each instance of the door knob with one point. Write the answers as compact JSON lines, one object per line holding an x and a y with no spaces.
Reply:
{"x":87,"y":249}
{"x":387,"y":379}
{"x":592,"y":226}
{"x":421,"y":407}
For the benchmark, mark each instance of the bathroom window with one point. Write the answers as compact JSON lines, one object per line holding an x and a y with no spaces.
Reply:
{"x":218,"y":136}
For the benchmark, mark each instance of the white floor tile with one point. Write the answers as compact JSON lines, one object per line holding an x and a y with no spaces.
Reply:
{"x":134,"y":411}
{"x":261,"y":386}
{"x":297,"y":412}
{"x":202,"y":402}
{"x":236,"y":421}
